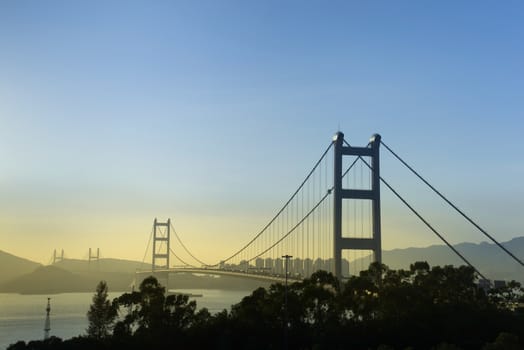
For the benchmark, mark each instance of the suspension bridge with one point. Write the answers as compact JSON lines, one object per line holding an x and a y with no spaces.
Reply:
{"x":330,"y":220}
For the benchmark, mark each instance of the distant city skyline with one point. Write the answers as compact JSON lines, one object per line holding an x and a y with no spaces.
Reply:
{"x":113,"y":113}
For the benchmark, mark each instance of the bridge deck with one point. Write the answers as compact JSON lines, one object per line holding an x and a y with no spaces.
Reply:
{"x":239,"y":274}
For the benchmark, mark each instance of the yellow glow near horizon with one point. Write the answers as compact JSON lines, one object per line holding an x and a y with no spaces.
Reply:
{"x":210,"y":238}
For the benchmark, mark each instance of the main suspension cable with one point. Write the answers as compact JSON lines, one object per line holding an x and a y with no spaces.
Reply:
{"x":185,"y":248}
{"x":453,"y":205}
{"x":179,"y":258}
{"x":425,"y":222}
{"x":280,"y":211}
{"x":270,"y":222}
{"x":328,"y":192}
{"x":147,"y":248}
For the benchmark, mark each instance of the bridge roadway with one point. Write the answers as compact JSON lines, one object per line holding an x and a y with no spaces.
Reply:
{"x":232,"y":273}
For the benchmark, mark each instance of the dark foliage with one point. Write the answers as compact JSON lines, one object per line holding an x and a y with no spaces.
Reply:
{"x":101,"y":314}
{"x":423,"y":308}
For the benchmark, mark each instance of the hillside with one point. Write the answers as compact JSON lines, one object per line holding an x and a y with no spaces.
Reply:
{"x":487,"y":257}
{"x":24,"y":276}
{"x":45,"y":279}
{"x":102,"y":265}
{"x":52,"y":279}
{"x":14,"y":266}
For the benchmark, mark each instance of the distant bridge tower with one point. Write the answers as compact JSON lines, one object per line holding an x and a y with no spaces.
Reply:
{"x":339,"y":241}
{"x":58,"y":258}
{"x":47,"y":326}
{"x":93,"y":257}
{"x":161,"y":252}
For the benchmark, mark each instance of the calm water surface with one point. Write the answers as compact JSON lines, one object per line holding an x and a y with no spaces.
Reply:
{"x":22,"y":317}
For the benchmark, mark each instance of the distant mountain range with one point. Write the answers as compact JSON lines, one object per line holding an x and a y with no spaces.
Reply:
{"x":20,"y":275}
{"x":488,"y":258}
{"x":49,"y":280}
{"x":70,"y":275}
{"x":14,"y":266}
{"x":101,"y":265}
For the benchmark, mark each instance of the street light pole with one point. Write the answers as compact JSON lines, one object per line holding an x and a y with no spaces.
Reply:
{"x":286,"y":325}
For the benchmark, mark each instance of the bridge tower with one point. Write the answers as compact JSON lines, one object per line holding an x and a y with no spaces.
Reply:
{"x":340,"y":242}
{"x":93,"y":257}
{"x":159,"y":235}
{"x":57,"y":258}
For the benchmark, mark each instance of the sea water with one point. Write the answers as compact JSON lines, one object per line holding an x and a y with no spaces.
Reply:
{"x":22,"y":317}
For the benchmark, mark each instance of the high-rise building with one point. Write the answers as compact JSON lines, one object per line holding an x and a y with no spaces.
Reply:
{"x":259,"y":263}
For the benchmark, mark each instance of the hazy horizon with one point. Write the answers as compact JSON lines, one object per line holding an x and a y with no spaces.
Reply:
{"x":148,"y":261}
{"x":115,"y":113}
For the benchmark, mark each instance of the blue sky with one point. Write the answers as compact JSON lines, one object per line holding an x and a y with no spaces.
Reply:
{"x":211,"y":112}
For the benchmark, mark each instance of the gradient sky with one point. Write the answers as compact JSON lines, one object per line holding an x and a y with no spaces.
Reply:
{"x":113,"y":113}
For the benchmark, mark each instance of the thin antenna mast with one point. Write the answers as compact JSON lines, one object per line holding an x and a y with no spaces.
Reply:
{"x":47,"y":326}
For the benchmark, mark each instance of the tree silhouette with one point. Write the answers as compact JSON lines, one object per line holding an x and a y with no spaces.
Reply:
{"x":101,"y":314}
{"x":149,"y":316}
{"x":421,"y":308}
{"x":504,"y":341}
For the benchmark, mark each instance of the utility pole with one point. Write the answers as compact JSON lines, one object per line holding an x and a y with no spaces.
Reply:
{"x":47,"y":326}
{"x":286,"y":318}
